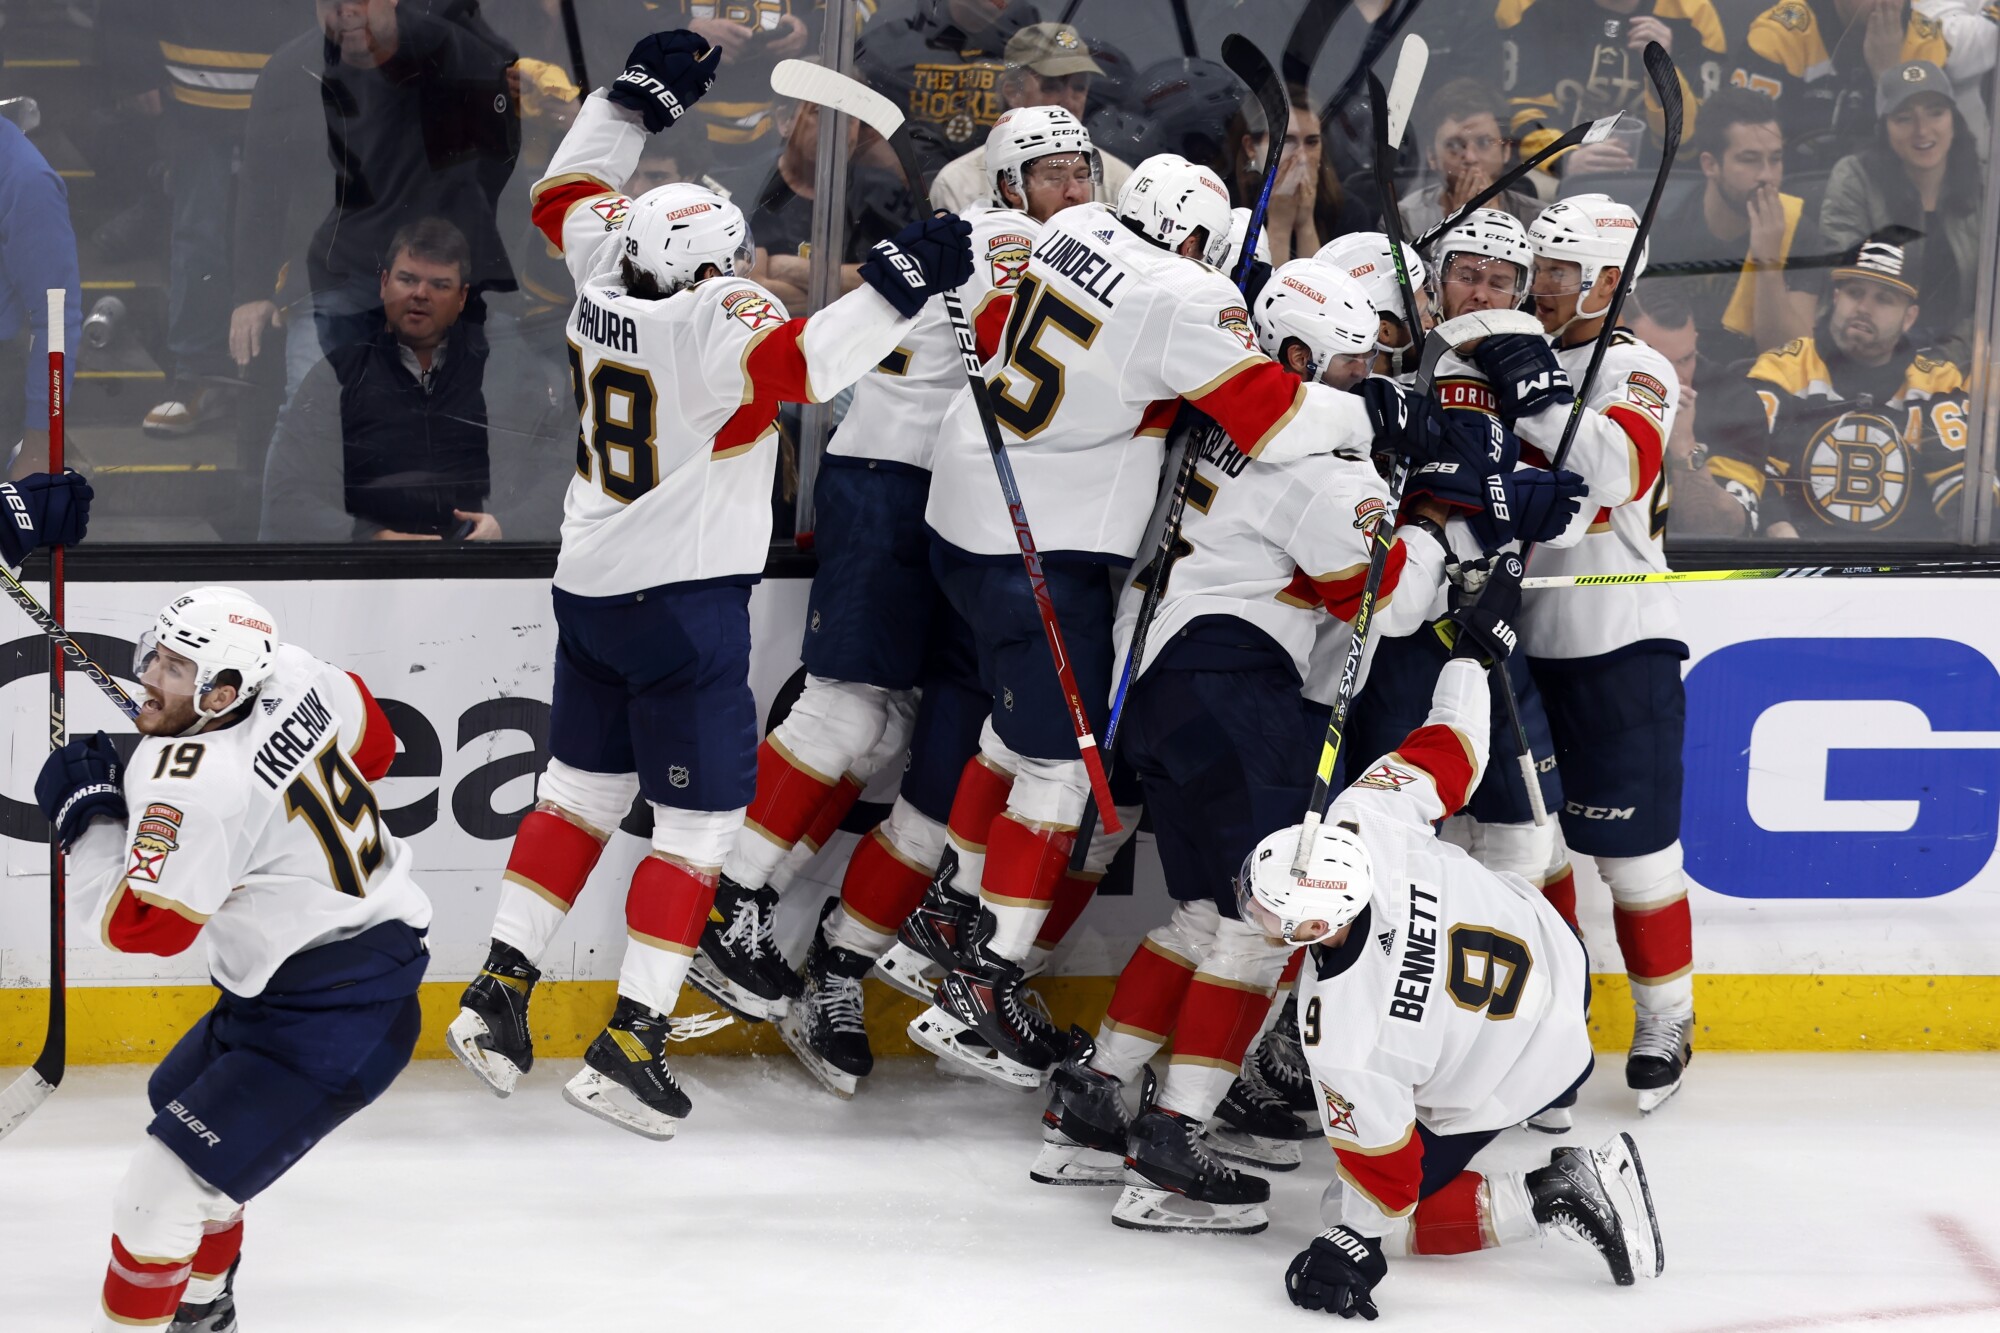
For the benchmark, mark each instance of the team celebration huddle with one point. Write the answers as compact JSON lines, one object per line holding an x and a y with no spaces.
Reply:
{"x":1124,"y":526}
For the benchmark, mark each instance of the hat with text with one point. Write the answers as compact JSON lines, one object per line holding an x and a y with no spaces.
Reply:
{"x":1051,"y":50}
{"x":1880,"y":258}
{"x":1910,"y":79}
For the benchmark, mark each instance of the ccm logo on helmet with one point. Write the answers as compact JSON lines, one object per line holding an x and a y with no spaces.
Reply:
{"x":248,"y":623}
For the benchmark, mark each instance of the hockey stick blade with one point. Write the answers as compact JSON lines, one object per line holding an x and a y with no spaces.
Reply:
{"x":806,"y":82}
{"x":1411,"y":62}
{"x":23,"y":1097}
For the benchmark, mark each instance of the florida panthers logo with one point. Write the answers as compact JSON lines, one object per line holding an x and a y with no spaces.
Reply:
{"x":753,"y":308}
{"x":1007,"y":256}
{"x":1237,"y":320}
{"x":612,"y":210}
{"x":1339,"y":1111}
{"x":158,"y":836}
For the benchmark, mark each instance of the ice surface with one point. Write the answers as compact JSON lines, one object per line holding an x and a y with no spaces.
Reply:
{"x":1796,"y":1192}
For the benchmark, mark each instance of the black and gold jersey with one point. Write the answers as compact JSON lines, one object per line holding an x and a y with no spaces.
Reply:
{"x":1803,"y":53}
{"x":1565,"y":62}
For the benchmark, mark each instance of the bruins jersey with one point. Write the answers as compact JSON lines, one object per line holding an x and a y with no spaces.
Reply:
{"x":1559,"y":70}
{"x":1849,"y":449}
{"x":1802,"y":53}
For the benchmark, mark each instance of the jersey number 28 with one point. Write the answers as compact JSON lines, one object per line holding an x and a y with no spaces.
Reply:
{"x":621,"y":406}
{"x":334,"y":809}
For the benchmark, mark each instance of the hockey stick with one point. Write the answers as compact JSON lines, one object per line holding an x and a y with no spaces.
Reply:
{"x":1923,"y":569}
{"x":573,"y":36}
{"x":62,"y":639}
{"x":33,"y":1085}
{"x":1388,"y":114}
{"x":824,"y":87}
{"x":1590,"y":131}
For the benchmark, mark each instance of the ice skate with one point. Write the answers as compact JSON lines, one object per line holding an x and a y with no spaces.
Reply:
{"x":1174,"y":1183}
{"x":490,"y":1036}
{"x":989,"y":999}
{"x":1555,"y":1118}
{"x":903,"y":968}
{"x":625,"y":1078}
{"x":824,"y":1028}
{"x":216,"y":1316}
{"x":738,"y":964}
{"x":1280,"y":1064}
{"x":1085,"y":1126}
{"x":1254,"y":1125}
{"x":1602,"y":1199}
{"x":1662,"y":1049}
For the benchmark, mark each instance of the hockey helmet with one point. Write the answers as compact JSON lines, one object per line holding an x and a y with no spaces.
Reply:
{"x":1025,"y":133}
{"x":1319,"y":305}
{"x":1309,"y":908}
{"x":672,"y":232}
{"x":1239,"y":227}
{"x":1489,"y":233}
{"x":1592,"y":231}
{"x":1169,"y":198}
{"x":218,"y":629}
{"x":1365,"y":256}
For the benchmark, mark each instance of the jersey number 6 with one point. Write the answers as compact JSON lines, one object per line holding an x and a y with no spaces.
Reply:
{"x":347,"y":799}
{"x":620,"y":404}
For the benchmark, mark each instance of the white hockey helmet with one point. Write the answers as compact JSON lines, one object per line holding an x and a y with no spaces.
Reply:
{"x":218,"y":629}
{"x":1169,"y":198}
{"x":1365,"y":257}
{"x":671,"y":232}
{"x":1319,"y":305}
{"x":1592,"y":231}
{"x":1024,"y":133}
{"x":1239,"y":227}
{"x":1491,"y":233}
{"x":1309,"y":908}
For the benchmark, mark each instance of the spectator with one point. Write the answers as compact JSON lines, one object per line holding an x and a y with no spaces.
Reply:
{"x":195,"y":62}
{"x":1466,"y":149}
{"x":1922,"y":172}
{"x":37,"y":252}
{"x":417,"y":119}
{"x":941,"y":62}
{"x":1047,"y":65}
{"x":1308,"y":206}
{"x":781,"y":222}
{"x":1864,"y":433}
{"x":1702,"y":490}
{"x":1750,"y":304}
{"x":387,"y":438}
{"x":1823,"y":79}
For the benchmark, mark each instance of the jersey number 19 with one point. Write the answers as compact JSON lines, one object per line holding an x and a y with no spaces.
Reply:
{"x":334,"y":809}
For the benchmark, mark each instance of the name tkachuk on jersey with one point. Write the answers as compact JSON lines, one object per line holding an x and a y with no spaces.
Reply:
{"x":264,"y":838}
{"x":1457,"y":994}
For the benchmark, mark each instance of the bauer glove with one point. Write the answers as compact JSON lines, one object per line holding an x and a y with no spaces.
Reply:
{"x":929,"y":256}
{"x":43,"y":509}
{"x":666,"y":74}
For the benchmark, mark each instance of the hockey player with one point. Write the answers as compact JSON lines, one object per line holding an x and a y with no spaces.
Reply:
{"x":1224,"y":743}
{"x":679,"y":366}
{"x":875,"y":609}
{"x":245,"y":819}
{"x":1441,"y":1003}
{"x":1119,"y":316}
{"x":1608,"y":668}
{"x":1365,"y":257}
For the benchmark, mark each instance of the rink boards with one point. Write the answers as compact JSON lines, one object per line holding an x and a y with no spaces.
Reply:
{"x":1842,"y":812}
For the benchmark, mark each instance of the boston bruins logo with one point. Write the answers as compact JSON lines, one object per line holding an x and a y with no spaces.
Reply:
{"x":1858,"y":471}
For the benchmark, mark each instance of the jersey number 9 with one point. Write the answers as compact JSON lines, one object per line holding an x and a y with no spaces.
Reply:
{"x":335,"y":816}
{"x":620,"y":405}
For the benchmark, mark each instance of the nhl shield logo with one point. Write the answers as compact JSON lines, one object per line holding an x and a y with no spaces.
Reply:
{"x":677,"y":777}
{"x":1007,"y":699}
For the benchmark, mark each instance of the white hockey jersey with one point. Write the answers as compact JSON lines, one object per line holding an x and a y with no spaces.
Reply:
{"x":899,"y":406}
{"x":1457,"y":998}
{"x":1619,"y":452}
{"x":1107,"y":330}
{"x":1285,"y":547}
{"x":677,"y":400}
{"x":264,"y":837}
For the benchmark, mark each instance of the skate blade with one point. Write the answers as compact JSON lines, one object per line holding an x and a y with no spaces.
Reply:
{"x":496,"y":1072}
{"x":831,"y":1077}
{"x":748,"y":1007}
{"x":904,"y":969}
{"x":1142,"y":1208}
{"x":1624,"y":1177}
{"x":1254,"y":1149}
{"x":1074,"y":1164}
{"x":1652,"y":1099}
{"x":938,"y":1032}
{"x":1555,"y":1120}
{"x":606,"y":1099}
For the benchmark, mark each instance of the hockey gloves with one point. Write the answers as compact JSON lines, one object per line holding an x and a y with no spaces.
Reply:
{"x":43,"y":509}
{"x":1524,"y":373}
{"x":1472,"y":449}
{"x":1529,"y":505}
{"x":1336,"y":1273}
{"x":78,"y":783}
{"x":665,"y":75}
{"x":929,"y":256}
{"x":1486,"y":631}
{"x":1405,"y":424}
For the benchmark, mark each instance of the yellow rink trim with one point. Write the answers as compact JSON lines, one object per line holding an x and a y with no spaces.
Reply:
{"x":137,"y":1024}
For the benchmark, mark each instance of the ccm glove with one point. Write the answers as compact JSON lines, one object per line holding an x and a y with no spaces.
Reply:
{"x":43,"y":509}
{"x":80,"y":782}
{"x":665,"y":75}
{"x":927,"y":257}
{"x":1524,"y":372}
{"x":1486,"y":631}
{"x":1527,"y":506}
{"x":1472,"y":452}
{"x":1336,"y":1273}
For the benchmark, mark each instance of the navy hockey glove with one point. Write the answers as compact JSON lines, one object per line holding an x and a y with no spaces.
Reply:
{"x":1405,"y":425}
{"x":1529,"y":505}
{"x":1486,"y":631}
{"x":1336,"y":1273}
{"x":82,"y":780}
{"x":43,"y":509}
{"x":666,"y":74}
{"x":929,"y":256}
{"x":1472,"y":450}
{"x":1524,"y":372}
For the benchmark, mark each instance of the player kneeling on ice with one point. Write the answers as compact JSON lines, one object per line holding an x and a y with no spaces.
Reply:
{"x":1440,"y":1004}
{"x":245,"y":818}
{"x":679,"y":366}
